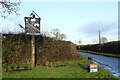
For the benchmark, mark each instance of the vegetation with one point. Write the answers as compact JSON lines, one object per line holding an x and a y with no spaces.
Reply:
{"x":55,"y":59}
{"x":75,"y":68}
{"x":108,"y":48}
{"x":99,"y":53}
{"x":103,"y":40}
{"x":55,"y":33}
{"x":79,"y":41}
{"x":9,"y":67}
{"x":51,"y":49}
{"x":16,"y":49}
{"x":8,"y":7}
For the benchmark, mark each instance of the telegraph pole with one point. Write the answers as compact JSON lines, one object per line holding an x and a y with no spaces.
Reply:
{"x":99,"y":41}
{"x":99,"y":38}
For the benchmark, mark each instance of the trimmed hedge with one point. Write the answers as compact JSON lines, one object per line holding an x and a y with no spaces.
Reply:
{"x":16,"y":49}
{"x":50,"y":49}
{"x":110,"y":47}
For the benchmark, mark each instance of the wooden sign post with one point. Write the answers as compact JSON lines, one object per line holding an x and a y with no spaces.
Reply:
{"x":33,"y":50}
{"x":32,"y":27}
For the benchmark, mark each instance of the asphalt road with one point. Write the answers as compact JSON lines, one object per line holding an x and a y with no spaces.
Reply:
{"x":108,"y":63}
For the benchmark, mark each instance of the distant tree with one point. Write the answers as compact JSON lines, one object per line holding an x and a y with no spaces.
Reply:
{"x":79,"y":41}
{"x":56,"y":34}
{"x":104,"y":40}
{"x":8,"y":7}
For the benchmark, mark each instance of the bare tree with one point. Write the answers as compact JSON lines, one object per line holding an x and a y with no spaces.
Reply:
{"x":56,"y":34}
{"x":103,"y":40}
{"x":8,"y":7}
{"x":45,"y":34}
{"x":62,"y":36}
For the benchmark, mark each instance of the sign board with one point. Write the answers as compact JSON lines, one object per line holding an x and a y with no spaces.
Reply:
{"x":32,"y":25}
{"x":93,"y":67}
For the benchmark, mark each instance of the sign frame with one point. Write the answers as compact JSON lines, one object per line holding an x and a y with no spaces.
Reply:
{"x":32,"y":25}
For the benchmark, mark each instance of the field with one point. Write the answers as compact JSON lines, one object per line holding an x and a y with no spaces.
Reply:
{"x":74,"y":68}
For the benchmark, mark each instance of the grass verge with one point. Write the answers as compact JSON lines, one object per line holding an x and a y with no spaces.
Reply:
{"x":99,"y":53}
{"x":75,"y":68}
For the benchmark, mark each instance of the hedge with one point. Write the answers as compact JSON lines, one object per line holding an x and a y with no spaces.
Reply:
{"x":110,"y":47}
{"x":16,"y":49}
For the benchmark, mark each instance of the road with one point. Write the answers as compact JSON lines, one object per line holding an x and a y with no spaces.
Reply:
{"x":108,"y":63}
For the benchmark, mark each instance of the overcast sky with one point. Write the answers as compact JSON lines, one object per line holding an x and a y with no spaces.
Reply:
{"x":78,"y":20}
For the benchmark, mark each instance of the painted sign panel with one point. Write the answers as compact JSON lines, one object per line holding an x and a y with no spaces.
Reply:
{"x":32,"y":25}
{"x":93,"y":67}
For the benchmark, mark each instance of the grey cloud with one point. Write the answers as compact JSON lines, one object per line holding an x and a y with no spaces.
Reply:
{"x":93,"y":28}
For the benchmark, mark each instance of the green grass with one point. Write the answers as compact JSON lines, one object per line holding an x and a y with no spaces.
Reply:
{"x":10,"y":67}
{"x":99,"y":53}
{"x":75,"y":68}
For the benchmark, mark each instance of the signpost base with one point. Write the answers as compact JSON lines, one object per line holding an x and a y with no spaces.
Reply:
{"x":33,"y":50}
